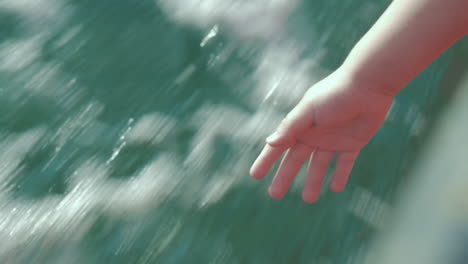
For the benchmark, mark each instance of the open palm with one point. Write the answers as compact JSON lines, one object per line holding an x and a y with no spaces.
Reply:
{"x":335,"y":117}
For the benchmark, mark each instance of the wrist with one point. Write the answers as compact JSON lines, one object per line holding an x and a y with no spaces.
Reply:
{"x":366,"y":80}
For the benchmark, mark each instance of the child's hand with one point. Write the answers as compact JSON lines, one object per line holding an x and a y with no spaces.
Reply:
{"x":340,"y":115}
{"x":336,"y":116}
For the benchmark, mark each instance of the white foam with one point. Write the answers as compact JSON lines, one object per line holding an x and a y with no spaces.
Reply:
{"x":153,"y":128}
{"x":16,"y":55}
{"x":280,"y":76}
{"x":369,"y":208}
{"x":14,"y":149}
{"x":42,"y":15}
{"x":213,"y":122}
{"x":249,"y":19}
{"x":155,"y":183}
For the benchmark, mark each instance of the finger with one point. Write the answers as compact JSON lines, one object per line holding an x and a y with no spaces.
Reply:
{"x":265,"y":161}
{"x":298,"y":120}
{"x":317,"y":171}
{"x":344,"y":166}
{"x":290,"y":166}
{"x":311,"y":137}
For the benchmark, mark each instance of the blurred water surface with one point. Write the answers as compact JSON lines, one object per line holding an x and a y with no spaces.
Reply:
{"x":128,"y":128}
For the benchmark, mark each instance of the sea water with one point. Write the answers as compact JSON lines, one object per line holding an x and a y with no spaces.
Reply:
{"x":127,"y":129}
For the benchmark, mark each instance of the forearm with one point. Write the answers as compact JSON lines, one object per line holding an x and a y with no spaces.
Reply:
{"x":406,"y":39}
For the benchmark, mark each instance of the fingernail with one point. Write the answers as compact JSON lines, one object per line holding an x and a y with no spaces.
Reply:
{"x":336,"y":188}
{"x":275,"y":193}
{"x":309,"y":198}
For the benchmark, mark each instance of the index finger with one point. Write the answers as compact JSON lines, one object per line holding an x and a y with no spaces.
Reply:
{"x":265,"y":161}
{"x":293,"y":125}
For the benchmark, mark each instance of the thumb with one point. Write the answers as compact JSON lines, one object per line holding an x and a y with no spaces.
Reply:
{"x":296,"y":122}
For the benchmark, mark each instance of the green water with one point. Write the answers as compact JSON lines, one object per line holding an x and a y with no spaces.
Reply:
{"x":125,"y":141}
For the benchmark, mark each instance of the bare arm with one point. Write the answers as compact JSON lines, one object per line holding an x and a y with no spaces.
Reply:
{"x":339,"y":115}
{"x":406,"y":39}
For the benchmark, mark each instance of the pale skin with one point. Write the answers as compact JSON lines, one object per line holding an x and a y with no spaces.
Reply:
{"x":339,"y":115}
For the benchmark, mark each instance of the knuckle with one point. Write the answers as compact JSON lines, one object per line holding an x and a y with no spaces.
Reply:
{"x":284,"y":125}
